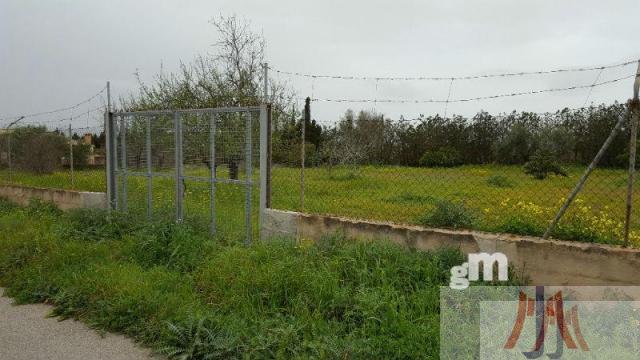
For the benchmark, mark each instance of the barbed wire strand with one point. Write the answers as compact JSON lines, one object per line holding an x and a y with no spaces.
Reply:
{"x":49,"y":112}
{"x":441,"y":78}
{"x":479,"y":98}
{"x":591,"y":88}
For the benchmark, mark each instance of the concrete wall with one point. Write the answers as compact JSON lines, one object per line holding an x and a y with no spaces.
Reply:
{"x":544,"y":262}
{"x":64,"y":199}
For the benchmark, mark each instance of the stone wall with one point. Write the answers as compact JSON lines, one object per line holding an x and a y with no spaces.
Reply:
{"x":544,"y":262}
{"x":64,"y":199}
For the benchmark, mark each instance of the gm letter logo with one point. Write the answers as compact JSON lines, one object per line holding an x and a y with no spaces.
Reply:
{"x":470,"y":271}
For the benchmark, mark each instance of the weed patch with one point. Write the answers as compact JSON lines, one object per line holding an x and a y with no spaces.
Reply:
{"x":448,"y":214}
{"x":499,"y":181}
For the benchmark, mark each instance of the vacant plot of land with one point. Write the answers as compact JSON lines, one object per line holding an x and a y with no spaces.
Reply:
{"x":492,"y":198}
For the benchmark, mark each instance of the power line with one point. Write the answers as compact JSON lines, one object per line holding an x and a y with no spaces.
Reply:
{"x":440,"y":101}
{"x":448,"y":78}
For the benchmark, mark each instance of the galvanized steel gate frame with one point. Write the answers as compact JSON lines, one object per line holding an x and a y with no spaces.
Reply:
{"x":114,"y":166}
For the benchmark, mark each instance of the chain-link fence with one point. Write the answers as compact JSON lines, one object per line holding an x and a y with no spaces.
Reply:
{"x":506,"y":173}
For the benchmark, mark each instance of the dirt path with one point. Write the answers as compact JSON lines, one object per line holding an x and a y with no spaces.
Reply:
{"x":27,"y":334}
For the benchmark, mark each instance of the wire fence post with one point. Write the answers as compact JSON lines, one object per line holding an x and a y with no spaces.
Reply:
{"x":269,"y":156}
{"x":149,"y":169}
{"x":633,"y":143}
{"x":123,"y":164}
{"x":264,"y":163}
{"x":265,"y":69}
{"x":249,"y":178}
{"x":584,"y":177}
{"x":9,"y":157}
{"x":179,"y":175}
{"x":213,"y":175}
{"x":71,"y":157}
{"x":112,"y":191}
{"x":307,"y":118}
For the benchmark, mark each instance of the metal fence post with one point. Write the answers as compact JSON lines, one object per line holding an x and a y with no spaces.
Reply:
{"x":584,"y":177}
{"x":633,"y":142}
{"x":112,"y":188}
{"x":179,"y":175}
{"x":266,"y":82}
{"x":149,"y":170}
{"x":269,"y":156}
{"x":307,"y":117}
{"x":212,"y":164}
{"x":123,"y":164}
{"x":264,"y":166}
{"x":71,"y":157}
{"x":249,"y":178}
{"x":9,"y":157}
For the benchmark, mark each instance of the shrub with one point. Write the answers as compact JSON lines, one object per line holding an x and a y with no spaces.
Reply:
{"x":443,"y":157}
{"x":541,"y":164}
{"x":36,"y":150}
{"x":448,"y":214}
{"x":499,"y":181}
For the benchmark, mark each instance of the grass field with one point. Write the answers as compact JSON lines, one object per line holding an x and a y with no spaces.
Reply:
{"x":490,"y":198}
{"x":193,"y":297}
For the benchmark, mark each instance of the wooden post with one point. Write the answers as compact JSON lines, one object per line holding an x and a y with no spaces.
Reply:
{"x":635,"y":113}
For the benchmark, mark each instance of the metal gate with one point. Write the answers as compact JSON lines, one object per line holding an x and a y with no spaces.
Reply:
{"x":168,"y":162}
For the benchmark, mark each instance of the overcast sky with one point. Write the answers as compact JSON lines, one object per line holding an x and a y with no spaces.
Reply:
{"x":56,"y":53}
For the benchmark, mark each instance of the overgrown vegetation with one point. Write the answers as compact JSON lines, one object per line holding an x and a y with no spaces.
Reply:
{"x":442,"y":157}
{"x":499,"y":181}
{"x":191,"y":297}
{"x":448,"y":214}
{"x":543,"y":163}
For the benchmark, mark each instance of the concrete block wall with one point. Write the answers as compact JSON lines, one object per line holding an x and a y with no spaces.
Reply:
{"x":544,"y":262}
{"x":64,"y":199}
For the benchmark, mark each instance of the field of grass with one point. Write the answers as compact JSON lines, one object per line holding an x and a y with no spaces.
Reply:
{"x":490,"y":198}
{"x":192,"y":297}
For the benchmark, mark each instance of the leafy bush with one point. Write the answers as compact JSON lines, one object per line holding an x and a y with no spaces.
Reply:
{"x":448,"y":214}
{"x":36,"y":150}
{"x":499,"y":181}
{"x":443,"y":157}
{"x":542,"y":163}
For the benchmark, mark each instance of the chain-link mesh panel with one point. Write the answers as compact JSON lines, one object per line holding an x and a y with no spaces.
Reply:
{"x":501,"y":174}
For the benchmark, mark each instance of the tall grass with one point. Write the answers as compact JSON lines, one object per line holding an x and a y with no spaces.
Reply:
{"x":175,"y":289}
